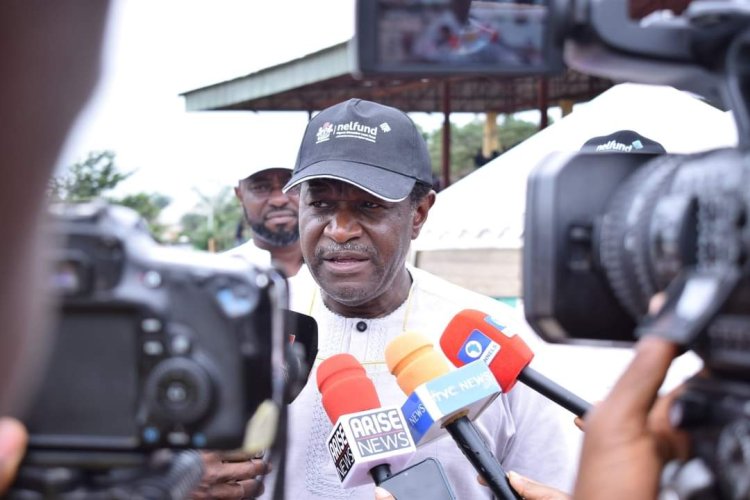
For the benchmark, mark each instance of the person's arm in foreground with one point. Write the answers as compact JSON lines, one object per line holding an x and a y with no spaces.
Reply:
{"x":628,"y":438}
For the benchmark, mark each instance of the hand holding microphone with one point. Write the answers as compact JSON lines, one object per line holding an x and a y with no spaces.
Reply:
{"x":440,"y":398}
{"x":473,"y":335}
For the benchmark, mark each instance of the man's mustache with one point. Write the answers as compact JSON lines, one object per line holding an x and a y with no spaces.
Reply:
{"x":331,"y":250}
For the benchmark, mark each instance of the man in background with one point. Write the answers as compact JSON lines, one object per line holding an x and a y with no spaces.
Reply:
{"x":273,"y":217}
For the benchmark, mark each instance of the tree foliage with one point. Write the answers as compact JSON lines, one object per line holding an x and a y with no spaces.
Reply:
{"x":89,"y":179}
{"x":467,"y":140}
{"x":149,"y":206}
{"x":95,"y":177}
{"x":214,"y":219}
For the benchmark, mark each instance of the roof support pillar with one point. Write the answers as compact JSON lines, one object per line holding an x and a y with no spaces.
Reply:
{"x":446,"y":145}
{"x":490,"y":141}
{"x":543,"y":99}
{"x":566,"y":106}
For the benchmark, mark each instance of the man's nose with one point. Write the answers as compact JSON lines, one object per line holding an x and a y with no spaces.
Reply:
{"x":343,"y":227}
{"x":277,"y":197}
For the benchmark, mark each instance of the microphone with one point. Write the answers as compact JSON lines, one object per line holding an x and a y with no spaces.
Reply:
{"x":473,"y":335}
{"x":440,"y":398}
{"x":300,"y":353}
{"x":366,"y":440}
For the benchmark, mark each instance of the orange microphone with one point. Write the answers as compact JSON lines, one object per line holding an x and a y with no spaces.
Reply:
{"x":443,"y":399}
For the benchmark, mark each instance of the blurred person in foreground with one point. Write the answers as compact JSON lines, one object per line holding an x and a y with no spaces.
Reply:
{"x":49,"y":65}
{"x":272,"y":215}
{"x":364,"y":177}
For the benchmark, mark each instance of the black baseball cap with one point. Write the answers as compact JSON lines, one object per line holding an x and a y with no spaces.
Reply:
{"x":623,"y":141}
{"x":374,"y":147}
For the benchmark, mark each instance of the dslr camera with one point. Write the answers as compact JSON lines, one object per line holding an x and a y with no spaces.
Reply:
{"x":604,"y":232}
{"x":155,"y":348}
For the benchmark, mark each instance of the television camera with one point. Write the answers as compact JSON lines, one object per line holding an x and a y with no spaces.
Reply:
{"x":604,"y":232}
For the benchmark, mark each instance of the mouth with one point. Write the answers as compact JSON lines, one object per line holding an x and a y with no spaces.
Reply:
{"x":280,"y":217}
{"x":345,"y":261}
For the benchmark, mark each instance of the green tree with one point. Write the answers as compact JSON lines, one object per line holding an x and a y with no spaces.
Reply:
{"x":214,"y":219}
{"x":467,"y":140}
{"x":89,"y":179}
{"x":98,"y":174}
{"x":149,"y":206}
{"x":513,"y":131}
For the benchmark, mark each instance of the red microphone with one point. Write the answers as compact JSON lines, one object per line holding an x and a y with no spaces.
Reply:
{"x":344,"y":386}
{"x":472,"y":335}
{"x":366,"y":440}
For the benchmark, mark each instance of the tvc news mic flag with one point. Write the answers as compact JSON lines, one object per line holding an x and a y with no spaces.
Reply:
{"x":467,"y":390}
{"x":441,"y":400}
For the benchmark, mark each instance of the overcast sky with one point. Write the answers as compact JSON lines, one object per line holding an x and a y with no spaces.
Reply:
{"x":157,"y":49}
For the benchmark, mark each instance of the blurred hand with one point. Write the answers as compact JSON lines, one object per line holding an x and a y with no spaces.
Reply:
{"x":628,"y":437}
{"x":230,"y":475}
{"x":13,"y":439}
{"x":531,"y":490}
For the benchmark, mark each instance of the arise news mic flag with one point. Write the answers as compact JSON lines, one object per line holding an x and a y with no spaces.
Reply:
{"x":473,"y":335}
{"x":366,"y":440}
{"x":440,"y":398}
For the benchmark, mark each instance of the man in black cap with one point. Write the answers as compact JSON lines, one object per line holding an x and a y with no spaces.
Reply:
{"x":364,"y":177}
{"x":272,"y":216}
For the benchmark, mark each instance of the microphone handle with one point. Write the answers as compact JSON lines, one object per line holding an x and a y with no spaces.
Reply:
{"x":380,"y":473}
{"x":554,"y":392}
{"x":481,"y":458}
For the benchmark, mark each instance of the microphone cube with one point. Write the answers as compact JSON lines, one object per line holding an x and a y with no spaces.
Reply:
{"x":360,"y":441}
{"x":465,"y":391}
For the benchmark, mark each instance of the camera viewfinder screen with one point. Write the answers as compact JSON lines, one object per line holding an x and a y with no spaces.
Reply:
{"x":90,"y":386}
{"x":492,"y":36}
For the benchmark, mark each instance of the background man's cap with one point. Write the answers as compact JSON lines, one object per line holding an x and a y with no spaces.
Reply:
{"x":243,"y":171}
{"x":376,"y":148}
{"x":623,"y":141}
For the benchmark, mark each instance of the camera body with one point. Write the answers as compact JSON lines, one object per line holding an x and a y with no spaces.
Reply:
{"x":606,"y":231}
{"x":156,"y":347}
{"x":645,"y":224}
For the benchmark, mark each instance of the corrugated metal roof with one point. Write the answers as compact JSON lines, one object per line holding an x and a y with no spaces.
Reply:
{"x":323,"y":78}
{"x":237,"y":93}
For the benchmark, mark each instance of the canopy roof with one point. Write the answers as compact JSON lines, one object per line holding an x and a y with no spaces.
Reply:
{"x":323,"y":78}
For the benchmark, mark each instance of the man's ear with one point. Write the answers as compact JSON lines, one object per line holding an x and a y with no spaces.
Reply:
{"x":420,"y":213}
{"x":237,"y":193}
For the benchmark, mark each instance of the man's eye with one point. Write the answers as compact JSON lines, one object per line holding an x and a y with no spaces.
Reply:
{"x":370,"y":205}
{"x":319,"y":204}
{"x":260,"y":188}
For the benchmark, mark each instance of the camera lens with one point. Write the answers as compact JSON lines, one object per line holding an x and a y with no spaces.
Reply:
{"x":179,"y":390}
